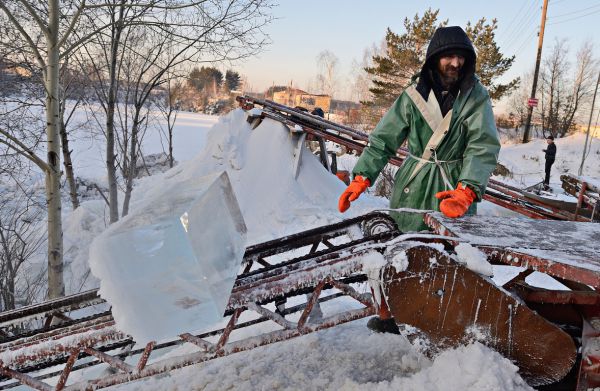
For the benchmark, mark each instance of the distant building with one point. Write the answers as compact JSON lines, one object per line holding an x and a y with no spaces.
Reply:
{"x":295,"y":97}
{"x":343,"y":106}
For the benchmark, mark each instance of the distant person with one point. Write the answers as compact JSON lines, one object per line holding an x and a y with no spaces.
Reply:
{"x":318,"y":112}
{"x":550,"y":156}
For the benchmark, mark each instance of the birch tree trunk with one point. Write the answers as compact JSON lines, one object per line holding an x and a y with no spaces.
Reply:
{"x":113,"y":199}
{"x":56,"y":286}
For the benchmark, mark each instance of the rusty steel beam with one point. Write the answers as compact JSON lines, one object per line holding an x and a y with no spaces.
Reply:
{"x":177,"y":342}
{"x":549,"y":296}
{"x":515,"y":258}
{"x":98,"y":323}
{"x":67,"y":370}
{"x":511,"y":257}
{"x":32,"y":354}
{"x":589,"y":369}
{"x":47,"y":308}
{"x":25,"y":379}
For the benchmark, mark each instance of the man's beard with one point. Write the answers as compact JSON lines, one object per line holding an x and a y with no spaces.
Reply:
{"x":449,"y":75}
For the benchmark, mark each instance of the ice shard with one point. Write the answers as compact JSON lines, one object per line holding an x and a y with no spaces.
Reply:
{"x":169,"y":267}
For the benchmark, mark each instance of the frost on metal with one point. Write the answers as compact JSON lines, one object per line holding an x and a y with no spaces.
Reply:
{"x":169,"y":267}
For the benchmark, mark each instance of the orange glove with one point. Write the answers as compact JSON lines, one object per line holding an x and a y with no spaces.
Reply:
{"x":356,"y":188}
{"x":455,"y":203}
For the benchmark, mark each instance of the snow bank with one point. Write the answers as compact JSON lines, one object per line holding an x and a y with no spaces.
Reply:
{"x":526,"y":161}
{"x":471,"y":367}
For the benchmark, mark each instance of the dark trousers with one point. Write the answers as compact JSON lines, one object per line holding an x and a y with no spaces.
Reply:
{"x":549,"y":164}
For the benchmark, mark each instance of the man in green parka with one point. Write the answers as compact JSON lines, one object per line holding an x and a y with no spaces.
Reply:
{"x":447,"y":118}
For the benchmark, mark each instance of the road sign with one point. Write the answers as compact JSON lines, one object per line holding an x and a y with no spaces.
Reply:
{"x":532,"y":102}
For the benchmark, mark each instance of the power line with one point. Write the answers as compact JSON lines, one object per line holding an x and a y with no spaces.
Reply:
{"x":525,"y":21}
{"x":578,"y":17}
{"x":515,"y":18}
{"x":520,"y":22}
{"x":528,"y":37}
{"x":573,"y":12}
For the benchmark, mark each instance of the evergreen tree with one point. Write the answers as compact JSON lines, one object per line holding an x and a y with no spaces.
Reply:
{"x":405,"y":56}
{"x":232,"y":80}
{"x":491,"y":63}
{"x":205,"y":78}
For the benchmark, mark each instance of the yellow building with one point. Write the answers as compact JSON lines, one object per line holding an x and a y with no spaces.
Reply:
{"x":294,"y":97}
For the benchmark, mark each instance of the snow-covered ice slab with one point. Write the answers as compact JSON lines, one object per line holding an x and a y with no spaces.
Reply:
{"x":169,"y":267}
{"x":564,"y":249}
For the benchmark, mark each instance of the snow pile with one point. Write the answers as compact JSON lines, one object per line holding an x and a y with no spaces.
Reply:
{"x":471,"y":367}
{"x":260,"y":166}
{"x":373,"y":260}
{"x":80,"y":228}
{"x":526,"y":161}
{"x":473,"y":259}
{"x":347,"y":357}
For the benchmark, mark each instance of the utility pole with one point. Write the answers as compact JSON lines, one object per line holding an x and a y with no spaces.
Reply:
{"x":587,"y":136}
{"x":536,"y":73}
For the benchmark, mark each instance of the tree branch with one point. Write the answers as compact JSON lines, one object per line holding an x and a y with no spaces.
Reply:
{"x":72,"y":24}
{"x":35,"y":16}
{"x":32,"y":45}
{"x":14,"y":144}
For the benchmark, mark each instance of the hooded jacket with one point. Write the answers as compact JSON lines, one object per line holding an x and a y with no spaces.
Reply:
{"x":468,"y":151}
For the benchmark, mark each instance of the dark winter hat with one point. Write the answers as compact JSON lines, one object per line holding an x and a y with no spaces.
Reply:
{"x":551,"y":137}
{"x":451,"y":39}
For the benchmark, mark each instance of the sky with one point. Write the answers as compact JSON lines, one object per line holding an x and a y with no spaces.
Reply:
{"x":305,"y":28}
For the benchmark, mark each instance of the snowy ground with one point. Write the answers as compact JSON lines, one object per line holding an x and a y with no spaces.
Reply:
{"x":346,"y":357}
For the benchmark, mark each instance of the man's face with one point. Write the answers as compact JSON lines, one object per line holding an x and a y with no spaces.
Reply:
{"x":449,"y":67}
{"x":549,"y":141}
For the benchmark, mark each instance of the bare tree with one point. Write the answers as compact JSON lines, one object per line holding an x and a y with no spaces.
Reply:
{"x":563,"y":96}
{"x":582,"y":87}
{"x":148,"y":43}
{"x":169,"y":107}
{"x":327,"y":63}
{"x":517,"y":103}
{"x":46,"y":28}
{"x":20,"y":239}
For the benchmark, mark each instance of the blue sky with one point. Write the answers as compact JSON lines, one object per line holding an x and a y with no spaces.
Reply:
{"x":346,"y":27}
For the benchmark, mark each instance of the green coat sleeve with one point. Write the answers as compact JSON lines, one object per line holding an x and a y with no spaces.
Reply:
{"x":388,"y":136}
{"x":481,"y":152}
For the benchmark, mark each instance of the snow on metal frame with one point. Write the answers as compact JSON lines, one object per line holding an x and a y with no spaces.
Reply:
{"x":563,"y":249}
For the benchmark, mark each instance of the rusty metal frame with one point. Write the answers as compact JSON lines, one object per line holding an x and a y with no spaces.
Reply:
{"x":97,"y":337}
{"x":208,"y":351}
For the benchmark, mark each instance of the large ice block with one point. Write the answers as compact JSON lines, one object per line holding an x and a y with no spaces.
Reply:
{"x":169,"y":267}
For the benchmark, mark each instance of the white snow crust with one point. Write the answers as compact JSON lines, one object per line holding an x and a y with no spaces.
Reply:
{"x":473,"y":259}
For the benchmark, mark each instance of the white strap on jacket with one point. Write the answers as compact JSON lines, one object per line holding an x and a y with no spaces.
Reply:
{"x":431,"y":112}
{"x":439,"y":165}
